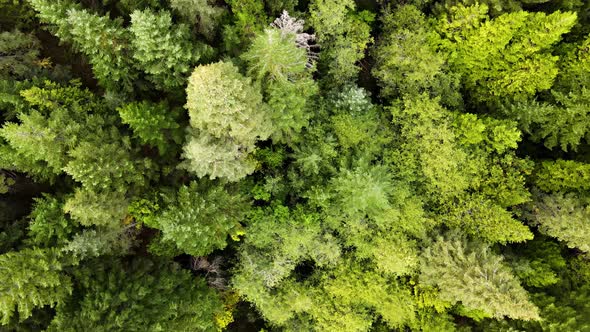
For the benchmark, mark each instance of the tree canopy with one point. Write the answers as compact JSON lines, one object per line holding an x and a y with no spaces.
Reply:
{"x":290,"y":165}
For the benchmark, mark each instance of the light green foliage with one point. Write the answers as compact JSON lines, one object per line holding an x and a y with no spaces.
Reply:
{"x":96,"y":208}
{"x":486,"y":219}
{"x":35,"y":128}
{"x":106,"y":44}
{"x":49,"y":226}
{"x":354,"y":292}
{"x":151,"y":44}
{"x":563,"y":216}
{"x":162,"y":49}
{"x":281,"y":67}
{"x":222,"y":102}
{"x":200,"y":218}
{"x":563,"y":175}
{"x":428,"y":148}
{"x":20,"y":52}
{"x":562,"y":125}
{"x":54,"y":12}
{"x":496,"y":178}
{"x":563,"y":122}
{"x":106,"y":166}
{"x":279,"y":239}
{"x":363,"y":191}
{"x":154,"y":124}
{"x":5,"y":183}
{"x":217,"y":158}
{"x":495,"y":7}
{"x":343,"y":35}
{"x":11,"y":102}
{"x":229,"y":114}
{"x":563,"y":306}
{"x":139,"y":295}
{"x":249,"y":19}
{"x":275,"y":53}
{"x":407,"y":58}
{"x":507,"y":57}
{"x":471,"y":273}
{"x":356,"y":121}
{"x":574,"y":68}
{"x":366,"y":201}
{"x":91,"y":243}
{"x":203,"y":13}
{"x":59,"y":117}
{"x":290,"y":107}
{"x":29,"y":279}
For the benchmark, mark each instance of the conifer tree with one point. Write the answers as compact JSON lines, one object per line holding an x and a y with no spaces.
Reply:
{"x":565,"y":216}
{"x":227,"y":111}
{"x":163,"y":50}
{"x":154,"y":124}
{"x":408,"y":61}
{"x":471,"y":273}
{"x":507,"y":57}
{"x":343,"y":35}
{"x":203,"y":13}
{"x":200,"y":218}
{"x":31,"y":278}
{"x":139,"y":295}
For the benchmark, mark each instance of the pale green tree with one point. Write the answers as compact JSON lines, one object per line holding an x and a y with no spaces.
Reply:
{"x":226,"y":111}
{"x":163,"y":50}
{"x":470,"y":272}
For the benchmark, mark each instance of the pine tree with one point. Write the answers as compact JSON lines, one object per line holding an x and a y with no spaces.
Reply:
{"x":563,"y":175}
{"x":163,"y":50}
{"x":49,"y":227}
{"x":408,"y":61}
{"x":281,"y":60}
{"x":343,"y":35}
{"x":565,"y":216}
{"x":203,"y":13}
{"x":154,"y":124}
{"x":200,"y":218}
{"x":101,"y":208}
{"x":20,"y":55}
{"x":31,"y":278}
{"x":471,"y":273}
{"x":139,"y":295}
{"x":104,"y":41}
{"x":507,"y":57}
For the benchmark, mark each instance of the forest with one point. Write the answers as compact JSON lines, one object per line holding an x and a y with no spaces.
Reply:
{"x":294,"y":165}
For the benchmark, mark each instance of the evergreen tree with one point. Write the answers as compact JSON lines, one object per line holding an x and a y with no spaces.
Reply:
{"x":408,"y":61}
{"x":227,"y":112}
{"x":163,"y":50}
{"x":343,"y":35}
{"x":203,"y":13}
{"x":139,"y":295}
{"x":471,"y":273}
{"x":154,"y":124}
{"x":200,"y":218}
{"x":31,"y":278}
{"x":564,"y":216}
{"x":507,"y":57}
{"x":104,"y":41}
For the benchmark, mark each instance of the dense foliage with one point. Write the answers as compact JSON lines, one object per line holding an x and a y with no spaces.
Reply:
{"x":287,"y":165}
